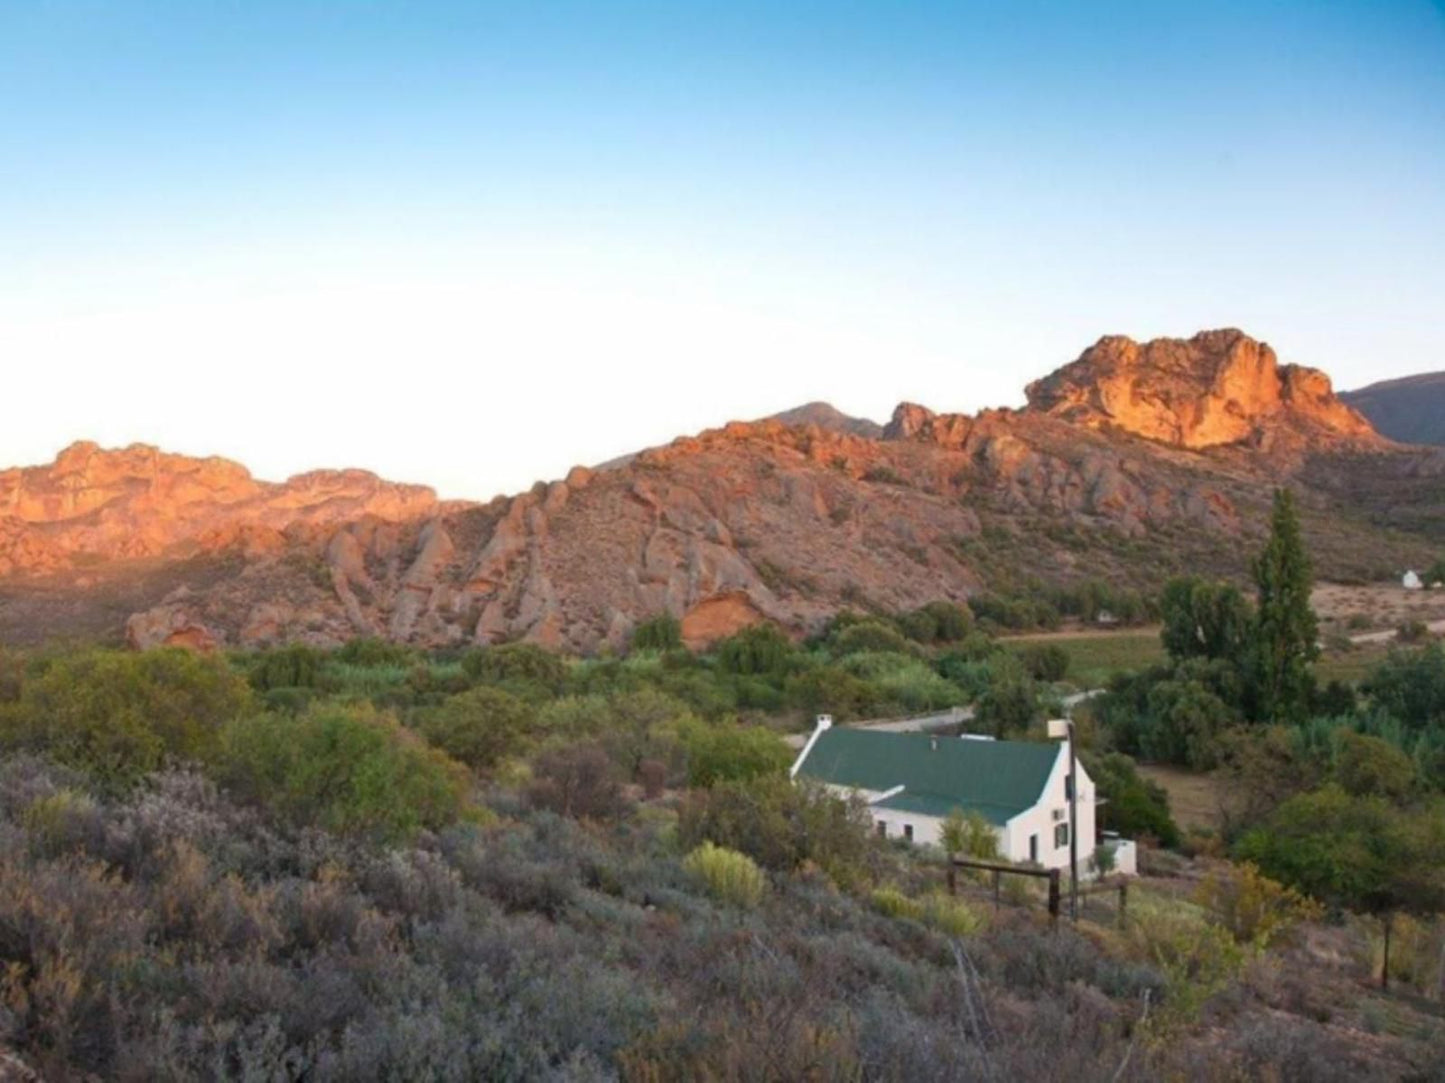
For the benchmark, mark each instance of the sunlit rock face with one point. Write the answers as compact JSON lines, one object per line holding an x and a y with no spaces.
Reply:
{"x":1121,"y":458}
{"x":1219,"y":387}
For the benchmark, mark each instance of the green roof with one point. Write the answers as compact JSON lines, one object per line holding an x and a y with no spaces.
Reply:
{"x":998,"y":779}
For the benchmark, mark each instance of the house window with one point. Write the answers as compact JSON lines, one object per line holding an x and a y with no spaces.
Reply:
{"x":882,"y":829}
{"x":908,"y":832}
{"x":1034,"y":849}
{"x":1068,"y":786}
{"x":1061,"y":835}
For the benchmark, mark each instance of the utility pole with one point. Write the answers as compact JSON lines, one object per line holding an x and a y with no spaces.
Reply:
{"x":1064,"y":727}
{"x":1073,"y":830}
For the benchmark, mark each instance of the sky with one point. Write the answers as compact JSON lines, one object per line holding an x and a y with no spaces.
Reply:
{"x":472,"y":244}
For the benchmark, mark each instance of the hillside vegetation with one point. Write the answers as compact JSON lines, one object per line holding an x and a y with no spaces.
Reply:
{"x":383,"y":863}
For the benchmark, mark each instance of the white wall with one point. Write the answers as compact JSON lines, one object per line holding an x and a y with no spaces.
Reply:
{"x":1040,"y":821}
{"x":1013,"y":836}
{"x":926,"y":829}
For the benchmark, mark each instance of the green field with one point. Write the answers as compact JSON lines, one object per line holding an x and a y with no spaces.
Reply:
{"x":1094,"y":657}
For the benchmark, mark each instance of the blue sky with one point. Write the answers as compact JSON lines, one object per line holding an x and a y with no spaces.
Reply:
{"x":473,"y":244}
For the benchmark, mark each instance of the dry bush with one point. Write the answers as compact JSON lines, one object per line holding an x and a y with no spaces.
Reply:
{"x":1256,"y":910}
{"x":729,"y":876}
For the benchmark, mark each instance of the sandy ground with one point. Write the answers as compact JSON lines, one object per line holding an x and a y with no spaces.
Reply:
{"x":1379,"y":607}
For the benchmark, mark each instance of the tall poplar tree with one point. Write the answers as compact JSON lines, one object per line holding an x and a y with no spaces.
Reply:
{"x":1286,"y":634}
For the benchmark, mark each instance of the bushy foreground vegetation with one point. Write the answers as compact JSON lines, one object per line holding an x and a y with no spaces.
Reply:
{"x":377,"y":863}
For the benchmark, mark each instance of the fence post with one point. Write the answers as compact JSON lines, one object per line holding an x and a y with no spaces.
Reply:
{"x":1054,"y":895}
{"x":997,"y":878}
{"x":952,"y":877}
{"x":1123,"y":901}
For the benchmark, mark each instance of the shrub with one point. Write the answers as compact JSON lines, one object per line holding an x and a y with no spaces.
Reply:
{"x":781,"y":825}
{"x":832,"y":690}
{"x":950,"y":916}
{"x":870,"y":635}
{"x":1367,"y":766}
{"x":937,"y":622}
{"x":577,"y":780}
{"x":520,"y":662}
{"x":759,"y":650}
{"x":1197,"y":959}
{"x":892,"y":902}
{"x":480,"y":727}
{"x":729,"y":876}
{"x":293,"y":666}
{"x":1134,"y":806}
{"x":1011,"y":703}
{"x":730,"y":753}
{"x":969,"y":833}
{"x":1046,"y":661}
{"x":350,"y":770}
{"x":660,"y":633}
{"x":370,"y":652}
{"x":1256,"y":910}
{"x":120,"y":715}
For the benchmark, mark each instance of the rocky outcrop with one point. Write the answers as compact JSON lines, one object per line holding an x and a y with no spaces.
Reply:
{"x":93,"y":504}
{"x":1132,"y":461}
{"x":1219,"y":387}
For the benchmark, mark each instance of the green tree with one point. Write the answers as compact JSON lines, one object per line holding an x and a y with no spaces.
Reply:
{"x":1286,"y":633}
{"x":1046,"y":661}
{"x":1133,"y":806}
{"x":1410,"y":686}
{"x":732,"y":753}
{"x":761,"y":650}
{"x":1372,"y":767}
{"x":516,"y":663}
{"x":1359,"y":853}
{"x":1204,"y":620}
{"x":292,"y":666}
{"x":1011,"y":703}
{"x":937,"y":622}
{"x":347,"y":769}
{"x":871,"y":635}
{"x":120,"y":715}
{"x":660,"y":633}
{"x":480,"y":727}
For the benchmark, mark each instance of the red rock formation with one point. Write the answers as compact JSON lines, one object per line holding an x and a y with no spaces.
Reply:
{"x":1219,"y":387}
{"x":92,"y":504}
{"x":753,"y":521}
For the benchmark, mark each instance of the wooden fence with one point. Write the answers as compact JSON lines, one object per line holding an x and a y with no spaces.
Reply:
{"x":1119,"y":887}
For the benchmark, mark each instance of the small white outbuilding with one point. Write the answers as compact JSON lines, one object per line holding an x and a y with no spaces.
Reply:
{"x":1411,"y":581}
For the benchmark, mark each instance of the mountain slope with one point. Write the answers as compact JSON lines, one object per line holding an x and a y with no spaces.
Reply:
{"x":826,"y":416}
{"x":1411,"y":410}
{"x":1118,"y":469}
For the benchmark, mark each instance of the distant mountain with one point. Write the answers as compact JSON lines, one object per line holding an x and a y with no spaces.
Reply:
{"x":826,"y":416}
{"x":1411,"y":410}
{"x":1135,"y":462}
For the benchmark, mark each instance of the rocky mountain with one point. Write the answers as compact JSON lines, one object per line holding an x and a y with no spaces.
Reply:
{"x":826,"y":416}
{"x":1135,"y":461}
{"x":1411,"y":410}
{"x":1219,"y":387}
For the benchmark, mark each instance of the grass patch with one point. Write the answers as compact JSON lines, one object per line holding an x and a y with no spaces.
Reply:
{"x":1094,"y":657}
{"x":1194,"y":796}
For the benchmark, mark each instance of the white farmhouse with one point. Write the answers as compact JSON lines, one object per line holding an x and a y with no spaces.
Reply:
{"x":912,"y":781}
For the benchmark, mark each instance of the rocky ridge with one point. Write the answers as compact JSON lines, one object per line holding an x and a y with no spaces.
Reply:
{"x":1119,"y":466}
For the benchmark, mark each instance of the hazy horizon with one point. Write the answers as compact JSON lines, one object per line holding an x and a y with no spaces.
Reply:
{"x":471,"y":246}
